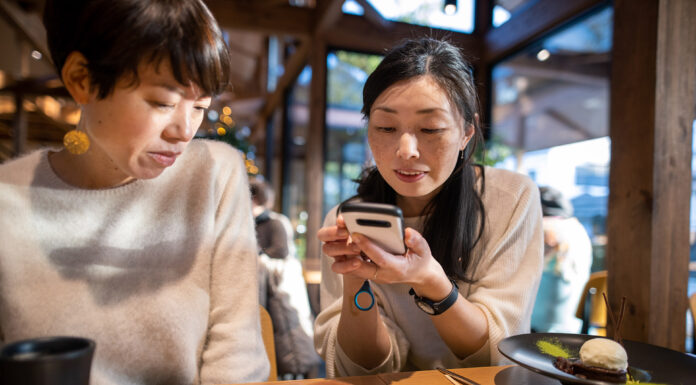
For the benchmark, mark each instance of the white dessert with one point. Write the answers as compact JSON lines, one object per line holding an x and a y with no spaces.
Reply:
{"x":604,"y":353}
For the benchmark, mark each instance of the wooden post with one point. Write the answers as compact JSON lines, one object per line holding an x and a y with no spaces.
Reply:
{"x":653,"y":90}
{"x":19,"y":125}
{"x":315,"y":147}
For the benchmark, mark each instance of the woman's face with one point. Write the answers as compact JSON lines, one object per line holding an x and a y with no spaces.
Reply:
{"x":415,"y":135}
{"x":138,"y":131}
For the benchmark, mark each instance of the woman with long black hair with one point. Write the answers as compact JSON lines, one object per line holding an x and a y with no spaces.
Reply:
{"x":474,"y":235}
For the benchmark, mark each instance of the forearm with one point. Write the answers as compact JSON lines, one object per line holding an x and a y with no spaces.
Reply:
{"x":461,"y":316}
{"x":463,"y":327}
{"x":361,"y":334}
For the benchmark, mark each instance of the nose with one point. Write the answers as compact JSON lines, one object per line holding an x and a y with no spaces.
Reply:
{"x":182,"y":127}
{"x":408,"y":147}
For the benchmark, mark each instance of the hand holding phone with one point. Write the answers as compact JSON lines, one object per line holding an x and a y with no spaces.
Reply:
{"x":382,"y":223}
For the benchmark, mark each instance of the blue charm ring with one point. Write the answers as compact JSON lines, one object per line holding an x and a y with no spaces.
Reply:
{"x":365,"y":288}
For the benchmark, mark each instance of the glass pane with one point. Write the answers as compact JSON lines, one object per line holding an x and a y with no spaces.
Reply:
{"x":550,"y":120}
{"x":346,"y":150}
{"x":294,"y":194}
{"x":429,"y":13}
{"x":691,"y":288}
{"x":503,"y":10}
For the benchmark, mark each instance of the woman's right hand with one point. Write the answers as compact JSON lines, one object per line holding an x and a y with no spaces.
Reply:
{"x":338,"y":245}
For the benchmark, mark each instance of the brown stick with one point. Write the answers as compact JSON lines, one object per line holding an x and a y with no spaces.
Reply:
{"x":617,"y":334}
{"x":611,"y":314}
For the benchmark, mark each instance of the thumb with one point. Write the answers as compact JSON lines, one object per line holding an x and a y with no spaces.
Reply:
{"x":415,"y":242}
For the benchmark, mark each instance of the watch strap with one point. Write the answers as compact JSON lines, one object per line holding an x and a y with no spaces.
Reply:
{"x":440,"y":306}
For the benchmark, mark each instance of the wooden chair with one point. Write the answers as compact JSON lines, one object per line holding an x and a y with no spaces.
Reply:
{"x":592,"y":310}
{"x":692,"y":307}
{"x":267,"y":334}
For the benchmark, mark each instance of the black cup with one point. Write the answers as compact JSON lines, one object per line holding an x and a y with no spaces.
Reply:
{"x":47,"y":361}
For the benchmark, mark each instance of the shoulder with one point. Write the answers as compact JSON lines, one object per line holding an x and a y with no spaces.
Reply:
{"x":206,"y":150}
{"x":505,"y":183}
{"x":22,"y":170}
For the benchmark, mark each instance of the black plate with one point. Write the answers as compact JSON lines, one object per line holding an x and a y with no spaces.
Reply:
{"x":647,"y":363}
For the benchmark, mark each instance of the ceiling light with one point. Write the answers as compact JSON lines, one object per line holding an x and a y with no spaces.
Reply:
{"x":450,"y":7}
{"x":543,"y":55}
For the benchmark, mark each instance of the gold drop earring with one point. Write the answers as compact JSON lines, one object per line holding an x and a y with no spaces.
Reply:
{"x":76,"y":141}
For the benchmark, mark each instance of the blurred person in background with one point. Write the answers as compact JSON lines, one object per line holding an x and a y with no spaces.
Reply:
{"x":567,"y":262}
{"x":282,"y":287}
{"x":133,"y":235}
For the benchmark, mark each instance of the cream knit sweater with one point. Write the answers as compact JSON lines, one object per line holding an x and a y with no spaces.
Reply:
{"x":161,"y":273}
{"x":506,"y":276}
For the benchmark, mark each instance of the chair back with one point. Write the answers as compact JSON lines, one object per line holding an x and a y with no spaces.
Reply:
{"x":268,"y":342}
{"x":692,"y":307}
{"x":592,"y":310}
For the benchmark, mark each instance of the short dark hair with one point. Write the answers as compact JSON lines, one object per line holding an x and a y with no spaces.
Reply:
{"x":458,"y":204}
{"x":554,"y":204}
{"x":116,"y":36}
{"x":259,"y":191}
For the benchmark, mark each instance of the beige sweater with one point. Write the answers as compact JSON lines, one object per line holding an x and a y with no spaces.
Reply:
{"x":506,"y":274}
{"x":161,"y":273}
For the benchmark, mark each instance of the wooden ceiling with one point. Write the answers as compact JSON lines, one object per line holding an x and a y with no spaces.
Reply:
{"x":298,"y":26}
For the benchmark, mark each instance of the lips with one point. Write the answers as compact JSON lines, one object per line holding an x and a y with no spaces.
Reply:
{"x":409,"y":175}
{"x":164,"y":158}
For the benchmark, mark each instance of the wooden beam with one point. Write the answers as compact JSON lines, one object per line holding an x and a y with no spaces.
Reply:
{"x":566,"y":121}
{"x":533,"y":22}
{"x":293,"y":68}
{"x":652,"y":107}
{"x":373,"y":16}
{"x":327,"y":15}
{"x":28,"y":24}
{"x":358,"y":34}
{"x":260,"y":17}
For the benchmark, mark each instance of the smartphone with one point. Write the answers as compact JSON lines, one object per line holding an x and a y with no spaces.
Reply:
{"x":382,"y":223}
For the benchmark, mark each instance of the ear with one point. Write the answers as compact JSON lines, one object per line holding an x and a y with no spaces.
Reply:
{"x":75,"y":76}
{"x":469,"y":130}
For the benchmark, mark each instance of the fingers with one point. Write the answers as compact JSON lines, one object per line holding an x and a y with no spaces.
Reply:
{"x":374,"y":252}
{"x":341,"y":247}
{"x":332,"y":233}
{"x":416,"y":243}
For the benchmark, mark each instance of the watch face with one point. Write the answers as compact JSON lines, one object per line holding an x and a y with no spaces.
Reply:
{"x":425,"y":307}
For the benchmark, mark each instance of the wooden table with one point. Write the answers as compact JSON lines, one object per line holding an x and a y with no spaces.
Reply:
{"x":490,"y":375}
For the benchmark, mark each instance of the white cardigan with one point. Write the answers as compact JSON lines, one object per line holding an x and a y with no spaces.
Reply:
{"x":506,"y":276}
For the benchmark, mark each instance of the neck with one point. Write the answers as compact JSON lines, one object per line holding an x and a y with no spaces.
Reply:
{"x":86,"y":171}
{"x":412,"y":206}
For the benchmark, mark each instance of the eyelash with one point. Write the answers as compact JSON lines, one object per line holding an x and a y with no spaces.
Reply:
{"x":166,"y":106}
{"x":429,"y":131}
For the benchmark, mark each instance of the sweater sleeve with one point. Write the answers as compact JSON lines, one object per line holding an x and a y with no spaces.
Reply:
{"x":234,"y":351}
{"x":507,"y":277}
{"x":338,"y":364}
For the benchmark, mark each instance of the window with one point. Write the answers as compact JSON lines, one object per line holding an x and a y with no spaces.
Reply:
{"x":346,"y":150}
{"x":429,"y":13}
{"x":550,"y":113}
{"x":503,"y":10}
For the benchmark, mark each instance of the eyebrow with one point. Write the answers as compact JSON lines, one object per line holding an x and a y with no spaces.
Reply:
{"x":421,"y":111}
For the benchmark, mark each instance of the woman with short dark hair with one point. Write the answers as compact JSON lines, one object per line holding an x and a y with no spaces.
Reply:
{"x":472,"y":268}
{"x":133,"y":235}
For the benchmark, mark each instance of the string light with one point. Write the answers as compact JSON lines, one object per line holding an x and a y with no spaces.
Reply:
{"x":450,"y":7}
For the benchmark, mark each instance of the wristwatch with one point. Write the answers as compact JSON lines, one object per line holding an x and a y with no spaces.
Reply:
{"x":435,"y":308}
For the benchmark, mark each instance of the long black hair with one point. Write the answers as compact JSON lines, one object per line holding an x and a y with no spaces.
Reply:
{"x":455,"y":216}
